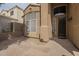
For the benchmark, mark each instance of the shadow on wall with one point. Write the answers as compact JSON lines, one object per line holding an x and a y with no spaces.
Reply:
{"x":9,"y":38}
{"x":66,"y":44}
{"x":19,"y":29}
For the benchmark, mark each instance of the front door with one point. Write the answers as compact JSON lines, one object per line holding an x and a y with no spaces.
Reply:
{"x":59,"y":22}
{"x":62,"y":27}
{"x":59,"y":27}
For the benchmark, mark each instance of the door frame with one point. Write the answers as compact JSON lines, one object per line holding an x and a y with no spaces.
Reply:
{"x":52,"y":15}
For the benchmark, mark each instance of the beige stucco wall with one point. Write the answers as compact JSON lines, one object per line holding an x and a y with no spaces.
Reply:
{"x":33,"y":8}
{"x":5,"y":27}
{"x":18,"y":29}
{"x":17,"y":14}
{"x":3,"y":12}
{"x":73,"y":24}
{"x":45,"y":30}
{"x":50,"y":21}
{"x":46,"y":26}
{"x":46,"y":22}
{"x":5,"y":23}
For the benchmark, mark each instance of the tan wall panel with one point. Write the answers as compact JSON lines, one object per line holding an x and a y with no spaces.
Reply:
{"x":44,"y":22}
{"x":74,"y":23}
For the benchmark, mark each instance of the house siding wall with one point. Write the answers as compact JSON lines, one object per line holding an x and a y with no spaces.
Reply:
{"x":16,"y":15}
{"x":31,"y":9}
{"x":3,"y":12}
{"x":44,"y":35}
{"x":4,"y":24}
{"x":73,"y":24}
{"x":46,"y":22}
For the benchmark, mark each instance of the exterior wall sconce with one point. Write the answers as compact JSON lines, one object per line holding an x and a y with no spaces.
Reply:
{"x":70,"y":18}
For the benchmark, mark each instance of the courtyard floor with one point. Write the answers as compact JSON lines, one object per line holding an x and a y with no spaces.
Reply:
{"x":22,"y":46}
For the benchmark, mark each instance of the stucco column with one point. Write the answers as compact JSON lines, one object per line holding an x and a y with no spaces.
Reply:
{"x":44,"y":23}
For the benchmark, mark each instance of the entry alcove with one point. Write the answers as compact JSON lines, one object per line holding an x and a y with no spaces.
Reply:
{"x":60,"y":12}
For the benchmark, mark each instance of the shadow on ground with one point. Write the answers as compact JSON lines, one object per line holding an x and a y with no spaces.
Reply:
{"x":5,"y":43}
{"x":66,"y":44}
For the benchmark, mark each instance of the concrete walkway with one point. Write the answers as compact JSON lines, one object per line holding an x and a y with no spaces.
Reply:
{"x":33,"y":47}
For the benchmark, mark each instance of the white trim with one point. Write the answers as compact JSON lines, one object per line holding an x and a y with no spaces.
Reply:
{"x":60,"y":14}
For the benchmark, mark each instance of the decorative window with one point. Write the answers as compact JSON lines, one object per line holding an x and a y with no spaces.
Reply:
{"x":31,"y":22}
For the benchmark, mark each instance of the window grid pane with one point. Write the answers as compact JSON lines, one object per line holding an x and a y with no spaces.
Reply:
{"x":31,"y":22}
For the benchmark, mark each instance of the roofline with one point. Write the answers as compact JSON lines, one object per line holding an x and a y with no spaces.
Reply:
{"x":3,"y":10}
{"x":30,"y":12}
{"x":16,"y":6}
{"x":11,"y":8}
{"x":32,"y":5}
{"x":9,"y":17}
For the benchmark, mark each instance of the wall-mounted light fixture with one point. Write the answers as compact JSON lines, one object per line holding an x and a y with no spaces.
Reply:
{"x":70,"y":18}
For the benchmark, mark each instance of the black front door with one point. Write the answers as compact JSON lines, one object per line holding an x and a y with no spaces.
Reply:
{"x":62,"y":28}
